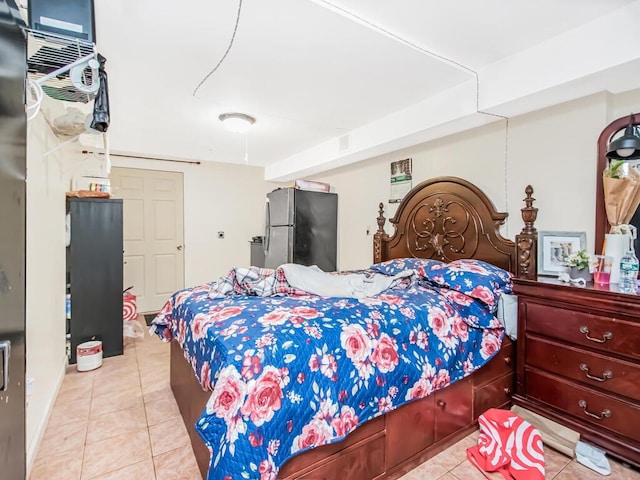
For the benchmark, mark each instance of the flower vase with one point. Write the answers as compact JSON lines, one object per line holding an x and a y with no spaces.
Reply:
{"x":575,"y":273}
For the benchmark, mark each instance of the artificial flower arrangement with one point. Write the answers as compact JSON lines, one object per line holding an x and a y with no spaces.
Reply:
{"x":580,"y":260}
{"x":614,"y":170}
{"x":621,"y":193}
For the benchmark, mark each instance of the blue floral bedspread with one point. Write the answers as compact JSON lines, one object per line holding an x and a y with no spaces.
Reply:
{"x":294,"y":372}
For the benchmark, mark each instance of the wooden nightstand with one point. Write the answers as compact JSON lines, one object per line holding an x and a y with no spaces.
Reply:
{"x":579,"y":361}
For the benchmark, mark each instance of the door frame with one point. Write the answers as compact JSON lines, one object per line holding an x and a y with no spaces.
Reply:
{"x":182,"y":213}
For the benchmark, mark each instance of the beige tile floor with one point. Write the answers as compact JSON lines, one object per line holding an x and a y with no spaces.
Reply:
{"x":121,"y":422}
{"x":452,"y":464}
{"x":118,"y":422}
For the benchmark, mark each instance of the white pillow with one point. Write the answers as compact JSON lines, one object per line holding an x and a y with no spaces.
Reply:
{"x":508,"y":314}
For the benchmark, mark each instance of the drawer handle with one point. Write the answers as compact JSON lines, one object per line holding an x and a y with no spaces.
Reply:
{"x":606,"y":413}
{"x":507,"y":391}
{"x":507,"y":360}
{"x":441,"y":404}
{"x":607,"y":374}
{"x":606,"y":336}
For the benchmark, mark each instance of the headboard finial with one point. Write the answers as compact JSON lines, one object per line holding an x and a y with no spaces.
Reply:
{"x":381,"y":218}
{"x":529,"y":212}
{"x":379,"y":235}
{"x":526,"y":241}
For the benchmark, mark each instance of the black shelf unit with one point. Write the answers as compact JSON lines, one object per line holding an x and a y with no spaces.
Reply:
{"x":94,"y":274}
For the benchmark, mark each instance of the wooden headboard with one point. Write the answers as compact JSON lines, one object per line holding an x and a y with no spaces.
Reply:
{"x":448,"y":218}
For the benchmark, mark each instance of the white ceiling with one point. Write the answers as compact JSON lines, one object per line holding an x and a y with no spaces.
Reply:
{"x":382,"y":75}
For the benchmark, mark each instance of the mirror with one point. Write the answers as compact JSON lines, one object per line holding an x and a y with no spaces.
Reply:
{"x":602,"y":224}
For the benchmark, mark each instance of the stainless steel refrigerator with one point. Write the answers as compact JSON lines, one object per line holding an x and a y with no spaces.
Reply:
{"x":13,"y":138}
{"x":301,"y":227}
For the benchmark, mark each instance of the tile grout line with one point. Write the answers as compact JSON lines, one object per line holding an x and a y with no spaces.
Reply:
{"x":90,"y":395}
{"x":108,"y":413}
{"x":560,"y":471}
{"x":144,"y":406}
{"x":136,"y":364}
{"x":86,"y":433}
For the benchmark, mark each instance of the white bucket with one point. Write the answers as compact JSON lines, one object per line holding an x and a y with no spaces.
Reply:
{"x":89,"y":355}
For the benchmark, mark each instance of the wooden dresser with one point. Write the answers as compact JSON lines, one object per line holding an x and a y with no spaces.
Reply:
{"x":579,"y":361}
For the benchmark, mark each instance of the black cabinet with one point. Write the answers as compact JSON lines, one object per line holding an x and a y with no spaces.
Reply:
{"x":13,"y":170}
{"x":94,"y":274}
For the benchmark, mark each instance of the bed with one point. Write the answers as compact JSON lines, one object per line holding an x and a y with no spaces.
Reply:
{"x":446,"y":219}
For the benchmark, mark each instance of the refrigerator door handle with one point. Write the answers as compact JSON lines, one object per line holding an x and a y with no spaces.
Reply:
{"x":267,"y":225}
{"x":5,"y":350}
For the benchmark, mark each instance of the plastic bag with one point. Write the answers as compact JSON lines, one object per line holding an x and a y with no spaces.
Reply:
{"x":132,"y":329}
{"x":129,"y":305}
{"x":101,"y":114}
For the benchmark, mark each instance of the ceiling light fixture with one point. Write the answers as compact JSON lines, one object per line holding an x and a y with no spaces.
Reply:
{"x":237,"y":122}
{"x":627,"y":147}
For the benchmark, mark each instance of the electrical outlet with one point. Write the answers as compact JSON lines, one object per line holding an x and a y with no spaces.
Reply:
{"x":220,"y":235}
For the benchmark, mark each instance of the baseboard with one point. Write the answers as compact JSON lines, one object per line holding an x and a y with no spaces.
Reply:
{"x":32,"y":450}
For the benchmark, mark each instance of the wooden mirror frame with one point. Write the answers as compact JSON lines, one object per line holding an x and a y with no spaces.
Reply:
{"x":602,"y":224}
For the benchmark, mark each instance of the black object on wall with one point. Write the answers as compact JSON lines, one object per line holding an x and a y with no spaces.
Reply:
{"x":13,"y":163}
{"x":94,"y":270}
{"x":101,"y":115}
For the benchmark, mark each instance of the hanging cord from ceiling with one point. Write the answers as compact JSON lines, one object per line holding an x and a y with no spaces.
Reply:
{"x":233,"y":36}
{"x":506,"y":173}
{"x":373,"y":26}
{"x":246,"y":148}
{"x":389,"y":33}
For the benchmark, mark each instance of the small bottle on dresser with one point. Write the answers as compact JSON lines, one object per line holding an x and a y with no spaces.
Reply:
{"x":629,"y":270}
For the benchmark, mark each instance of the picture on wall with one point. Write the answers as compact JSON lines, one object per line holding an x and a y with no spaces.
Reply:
{"x":401,"y":179}
{"x":554,"y":249}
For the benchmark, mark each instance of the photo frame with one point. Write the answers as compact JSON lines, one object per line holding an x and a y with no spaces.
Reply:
{"x":555,"y":247}
{"x":400,"y":179}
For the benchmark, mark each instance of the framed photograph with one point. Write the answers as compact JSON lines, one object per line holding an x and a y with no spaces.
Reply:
{"x":400,"y":179}
{"x":554,"y":249}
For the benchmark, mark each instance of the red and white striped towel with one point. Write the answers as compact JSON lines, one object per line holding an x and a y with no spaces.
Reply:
{"x":508,"y":445}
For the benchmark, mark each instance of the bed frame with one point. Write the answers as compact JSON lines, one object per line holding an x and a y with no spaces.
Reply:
{"x":445,"y":218}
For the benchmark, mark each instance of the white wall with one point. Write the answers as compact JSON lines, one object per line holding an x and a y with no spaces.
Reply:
{"x":553,"y":149}
{"x":45,"y":310}
{"x":217,"y":197}
{"x":624,"y":104}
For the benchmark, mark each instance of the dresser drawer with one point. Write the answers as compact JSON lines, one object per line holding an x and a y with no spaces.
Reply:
{"x":594,"y":331}
{"x":599,"y":371}
{"x":603,"y":411}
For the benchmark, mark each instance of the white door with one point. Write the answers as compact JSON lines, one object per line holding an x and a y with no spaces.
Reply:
{"x":153,"y":233}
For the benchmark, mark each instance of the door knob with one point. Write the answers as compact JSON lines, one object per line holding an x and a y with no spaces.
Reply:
{"x":179,"y":247}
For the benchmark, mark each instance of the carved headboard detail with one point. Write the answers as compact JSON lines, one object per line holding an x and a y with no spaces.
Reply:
{"x":448,"y":218}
